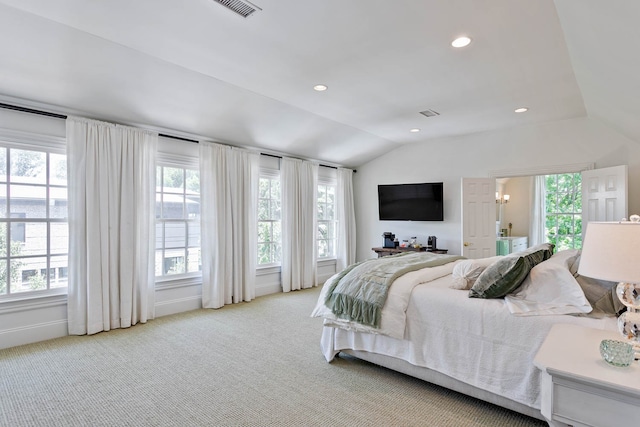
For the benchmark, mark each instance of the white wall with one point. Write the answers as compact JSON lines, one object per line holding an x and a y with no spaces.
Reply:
{"x":32,"y":319}
{"x":581,"y":140}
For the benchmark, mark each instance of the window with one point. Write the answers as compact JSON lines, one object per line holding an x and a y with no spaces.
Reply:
{"x":326,"y":221}
{"x":177,"y":222}
{"x":269,"y":225}
{"x":564,"y":210}
{"x":34,"y":232}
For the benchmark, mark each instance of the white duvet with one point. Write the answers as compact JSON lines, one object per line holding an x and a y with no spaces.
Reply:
{"x":476,"y":341}
{"x":393,"y":320}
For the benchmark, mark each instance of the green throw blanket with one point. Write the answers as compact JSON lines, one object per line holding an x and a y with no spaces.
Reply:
{"x":359,"y":292}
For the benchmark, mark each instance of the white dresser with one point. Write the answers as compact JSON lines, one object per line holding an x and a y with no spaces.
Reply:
{"x":508,"y":245}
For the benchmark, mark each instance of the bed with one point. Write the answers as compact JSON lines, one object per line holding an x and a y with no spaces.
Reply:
{"x":431,"y":328}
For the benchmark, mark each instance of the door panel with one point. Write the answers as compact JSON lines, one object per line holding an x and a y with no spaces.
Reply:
{"x":478,"y":217}
{"x":604,"y":194}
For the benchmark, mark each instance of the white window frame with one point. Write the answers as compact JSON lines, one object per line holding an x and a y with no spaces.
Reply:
{"x":18,"y":140}
{"x":577,"y":193}
{"x":272,"y":175}
{"x":174,"y":160}
{"x":327,"y":182}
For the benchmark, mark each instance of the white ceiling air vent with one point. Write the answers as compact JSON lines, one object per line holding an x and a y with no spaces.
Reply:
{"x":429,"y":113}
{"x":241,"y":7}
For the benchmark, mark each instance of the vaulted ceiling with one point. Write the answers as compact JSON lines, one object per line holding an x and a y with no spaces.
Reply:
{"x":196,"y":69}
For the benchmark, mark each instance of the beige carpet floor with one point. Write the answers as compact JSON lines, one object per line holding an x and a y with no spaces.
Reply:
{"x":250,"y":364}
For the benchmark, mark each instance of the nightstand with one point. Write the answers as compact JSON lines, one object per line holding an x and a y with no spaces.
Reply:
{"x":578,"y":387}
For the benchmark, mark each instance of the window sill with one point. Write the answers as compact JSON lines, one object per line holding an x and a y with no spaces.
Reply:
{"x":178,"y":282}
{"x":263,"y":270}
{"x":276,"y":268}
{"x":21,"y":303}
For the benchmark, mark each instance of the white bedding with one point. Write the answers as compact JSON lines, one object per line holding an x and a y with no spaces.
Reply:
{"x":476,"y":341}
{"x":550,"y":288}
{"x":393,"y":318}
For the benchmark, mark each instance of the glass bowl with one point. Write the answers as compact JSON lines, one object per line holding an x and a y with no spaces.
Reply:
{"x":617,"y":353}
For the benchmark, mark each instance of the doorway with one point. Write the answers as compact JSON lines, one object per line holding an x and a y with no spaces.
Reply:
{"x":603,"y":196}
{"x":565,"y":201}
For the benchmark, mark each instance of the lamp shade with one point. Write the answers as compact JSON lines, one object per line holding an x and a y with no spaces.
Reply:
{"x":611,"y":251}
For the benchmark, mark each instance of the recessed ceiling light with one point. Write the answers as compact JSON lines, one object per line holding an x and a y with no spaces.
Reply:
{"x":521,"y":110}
{"x":414,"y":130}
{"x":461,"y":41}
{"x":320,"y":88}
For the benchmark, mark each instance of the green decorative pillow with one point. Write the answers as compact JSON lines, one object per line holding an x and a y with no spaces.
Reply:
{"x":507,"y":274}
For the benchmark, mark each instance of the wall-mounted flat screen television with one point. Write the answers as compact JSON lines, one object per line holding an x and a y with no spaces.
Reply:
{"x":411,"y":202}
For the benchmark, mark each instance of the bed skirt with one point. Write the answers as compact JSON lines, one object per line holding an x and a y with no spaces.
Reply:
{"x":440,"y":379}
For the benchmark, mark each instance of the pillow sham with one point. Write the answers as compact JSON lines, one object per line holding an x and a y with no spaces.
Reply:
{"x":506,"y":275}
{"x":466,"y":272}
{"x":601,"y":294}
{"x":550,"y":288}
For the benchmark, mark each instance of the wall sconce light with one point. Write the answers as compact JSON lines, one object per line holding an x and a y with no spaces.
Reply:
{"x":502,"y":199}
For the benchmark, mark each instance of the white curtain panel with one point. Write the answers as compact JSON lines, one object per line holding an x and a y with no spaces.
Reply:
{"x":299,"y":186}
{"x":111,"y":175}
{"x":346,"y":237}
{"x":537,"y":233}
{"x":229,"y":228}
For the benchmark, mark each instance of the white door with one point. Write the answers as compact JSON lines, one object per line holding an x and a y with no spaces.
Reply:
{"x":478,"y":217}
{"x":604,"y":195}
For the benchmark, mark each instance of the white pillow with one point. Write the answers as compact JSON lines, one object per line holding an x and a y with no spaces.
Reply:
{"x":466,"y":272}
{"x":550,"y":288}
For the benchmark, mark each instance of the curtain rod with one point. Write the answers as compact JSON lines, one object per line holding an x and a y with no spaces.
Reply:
{"x":64,"y":117}
{"x":32,"y":111}
{"x":324,"y":166}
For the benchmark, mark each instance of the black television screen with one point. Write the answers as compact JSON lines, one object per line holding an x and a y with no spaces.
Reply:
{"x":411,"y":202}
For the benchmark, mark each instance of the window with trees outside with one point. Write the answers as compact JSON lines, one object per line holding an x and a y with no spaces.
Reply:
{"x":564,"y":210}
{"x":177,"y":222}
{"x":34,"y":231}
{"x":269,"y":225}
{"x":326,"y":221}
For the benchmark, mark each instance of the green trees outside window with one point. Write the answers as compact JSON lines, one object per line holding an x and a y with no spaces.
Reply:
{"x":563,"y":221}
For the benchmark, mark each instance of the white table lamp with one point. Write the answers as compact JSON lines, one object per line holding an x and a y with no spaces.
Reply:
{"x":611,"y":251}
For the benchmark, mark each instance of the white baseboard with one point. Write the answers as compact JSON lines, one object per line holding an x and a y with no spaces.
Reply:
{"x":33,"y":333}
{"x":179,"y":305}
{"x":323,"y":278}
{"x":267,"y":289}
{"x":276,"y":287}
{"x":179,"y":302}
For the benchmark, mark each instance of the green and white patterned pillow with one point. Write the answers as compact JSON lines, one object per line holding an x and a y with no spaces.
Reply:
{"x":507,"y":274}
